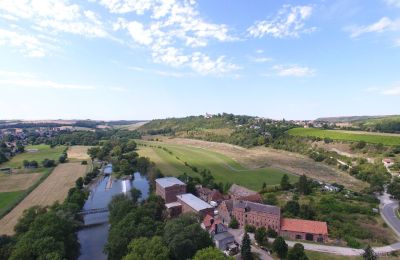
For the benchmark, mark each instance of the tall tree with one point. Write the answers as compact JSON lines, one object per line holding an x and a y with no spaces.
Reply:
{"x":297,"y":253}
{"x":369,"y":253}
{"x":261,"y":236}
{"x":303,"y":185}
{"x":246,"y":248}
{"x":208,"y":254}
{"x":184,"y":237}
{"x":280,"y":247}
{"x":285,"y":184}
{"x":147,"y":249}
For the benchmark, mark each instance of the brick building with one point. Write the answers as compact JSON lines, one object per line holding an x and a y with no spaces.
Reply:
{"x":250,"y":213}
{"x":293,"y":229}
{"x":169,"y":187}
{"x":191,"y":203}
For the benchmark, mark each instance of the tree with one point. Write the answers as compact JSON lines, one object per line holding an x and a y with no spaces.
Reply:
{"x":48,"y":163}
{"x":135,"y":195}
{"x":285,"y":184}
{"x":184,"y":236}
{"x":264,"y":186}
{"x":245,"y":250}
{"x":79,"y":183}
{"x":209,"y":253}
{"x":6,"y":245}
{"x":147,"y":249}
{"x":119,"y":207}
{"x":297,"y":253}
{"x":62,"y":159}
{"x":280,"y":247}
{"x":271,"y":232}
{"x":249,"y":228}
{"x":369,"y":253}
{"x":292,"y":207}
{"x":394,"y":188}
{"x":234,"y":223}
{"x":27,"y":219}
{"x":307,"y":212}
{"x":303,"y":185}
{"x":271,"y":199}
{"x":261,"y":236}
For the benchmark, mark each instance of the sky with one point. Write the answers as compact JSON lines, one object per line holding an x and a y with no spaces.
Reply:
{"x":146,"y":59}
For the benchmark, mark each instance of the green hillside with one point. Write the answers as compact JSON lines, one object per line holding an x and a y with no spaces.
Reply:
{"x":374,"y":138}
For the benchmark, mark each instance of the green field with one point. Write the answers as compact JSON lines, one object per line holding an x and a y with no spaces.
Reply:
{"x":377,"y":138}
{"x":7,"y":198}
{"x":223,"y":168}
{"x":44,"y":152}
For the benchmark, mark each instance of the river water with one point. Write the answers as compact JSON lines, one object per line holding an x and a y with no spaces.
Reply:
{"x":94,"y":237}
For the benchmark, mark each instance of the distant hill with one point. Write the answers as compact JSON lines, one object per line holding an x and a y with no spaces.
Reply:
{"x":347,"y":119}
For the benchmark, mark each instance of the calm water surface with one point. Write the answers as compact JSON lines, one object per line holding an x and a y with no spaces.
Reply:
{"x":93,"y":238}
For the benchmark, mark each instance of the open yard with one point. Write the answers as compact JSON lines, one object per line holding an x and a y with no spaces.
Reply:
{"x":261,"y":157}
{"x":356,"y":136}
{"x":223,"y":168}
{"x":78,"y":152}
{"x":53,"y":188}
{"x":35,"y":153}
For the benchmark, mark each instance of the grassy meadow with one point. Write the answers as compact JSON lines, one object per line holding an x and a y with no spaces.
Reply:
{"x":43,"y":152}
{"x":373,"y":138}
{"x":171,"y":161}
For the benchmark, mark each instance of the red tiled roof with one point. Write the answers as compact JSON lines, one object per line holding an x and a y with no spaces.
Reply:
{"x":304,"y":226}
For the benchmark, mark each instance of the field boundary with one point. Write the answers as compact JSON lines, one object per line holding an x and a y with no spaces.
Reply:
{"x":21,"y":197}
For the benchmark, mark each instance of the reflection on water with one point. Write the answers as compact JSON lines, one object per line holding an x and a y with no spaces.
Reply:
{"x":93,"y":238}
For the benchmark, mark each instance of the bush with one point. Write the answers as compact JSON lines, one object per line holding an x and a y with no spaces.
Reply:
{"x":272,"y":233}
{"x":84,"y":162}
{"x":48,"y":163}
{"x":234,"y":223}
{"x":250,"y":228}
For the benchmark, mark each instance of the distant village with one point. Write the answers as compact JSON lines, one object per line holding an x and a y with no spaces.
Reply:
{"x":217,"y":211}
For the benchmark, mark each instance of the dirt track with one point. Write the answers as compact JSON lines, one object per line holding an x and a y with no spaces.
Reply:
{"x":54,"y":188}
{"x":262,"y":157}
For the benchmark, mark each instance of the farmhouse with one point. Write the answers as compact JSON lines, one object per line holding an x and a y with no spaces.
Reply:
{"x":209,"y":195}
{"x":316,"y":231}
{"x":169,"y":187}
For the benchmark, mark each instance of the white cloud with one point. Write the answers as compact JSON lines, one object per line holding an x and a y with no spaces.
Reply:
{"x":28,"y":45}
{"x":17,"y":79}
{"x":50,"y":17}
{"x":139,"y":34}
{"x":293,"y":70}
{"x":393,"y":91}
{"x":260,"y":59}
{"x":383,"y":25}
{"x":118,"y":89}
{"x":289,"y":22}
{"x":173,"y":29}
{"x":395,"y":3}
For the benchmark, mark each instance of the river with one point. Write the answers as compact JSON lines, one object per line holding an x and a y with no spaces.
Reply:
{"x":94,"y":237}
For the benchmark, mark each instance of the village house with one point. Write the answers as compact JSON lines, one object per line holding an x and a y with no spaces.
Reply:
{"x":299,"y":229}
{"x":209,"y":195}
{"x":222,"y":238}
{"x":169,"y":187}
{"x":387,"y":162}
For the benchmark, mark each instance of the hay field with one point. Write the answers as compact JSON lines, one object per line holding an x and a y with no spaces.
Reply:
{"x":18,"y":182}
{"x":260,"y":157}
{"x":78,"y":152}
{"x":54,"y":188}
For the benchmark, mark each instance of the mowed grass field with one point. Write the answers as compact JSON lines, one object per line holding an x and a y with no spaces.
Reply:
{"x":53,"y":188}
{"x":368,"y":137}
{"x":223,"y":168}
{"x":6,"y":198}
{"x":43,"y":152}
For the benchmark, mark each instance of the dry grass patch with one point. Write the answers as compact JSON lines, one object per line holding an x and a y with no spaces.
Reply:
{"x":18,"y":182}
{"x":54,"y":188}
{"x":78,"y":152}
{"x":260,"y":157}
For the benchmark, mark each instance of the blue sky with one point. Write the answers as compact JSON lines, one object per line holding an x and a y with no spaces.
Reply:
{"x":145,"y":59}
